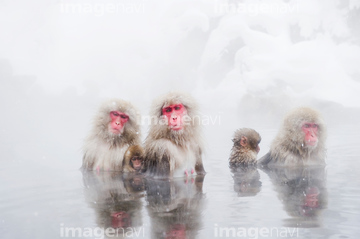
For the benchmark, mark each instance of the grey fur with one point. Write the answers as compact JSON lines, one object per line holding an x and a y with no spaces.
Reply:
{"x":244,"y":156}
{"x":167,"y":150}
{"x":288,"y":148}
{"x":104,"y":150}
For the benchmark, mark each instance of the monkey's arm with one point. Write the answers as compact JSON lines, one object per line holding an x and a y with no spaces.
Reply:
{"x":127,"y":169}
{"x":264,"y":160}
{"x":87,"y":162}
{"x":199,"y":167}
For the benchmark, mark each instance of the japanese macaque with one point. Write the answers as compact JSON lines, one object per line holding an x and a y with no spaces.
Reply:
{"x":115,"y":128}
{"x":246,"y":147}
{"x":300,"y":141}
{"x":173,"y":146}
{"x":133,"y":159}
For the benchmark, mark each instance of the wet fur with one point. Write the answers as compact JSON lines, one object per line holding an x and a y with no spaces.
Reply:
{"x":244,"y":156}
{"x":104,"y":150}
{"x":288,"y":146}
{"x":167,"y":152}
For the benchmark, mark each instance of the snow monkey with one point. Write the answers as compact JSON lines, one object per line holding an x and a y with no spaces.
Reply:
{"x":115,"y":128}
{"x":246,"y":147}
{"x":173,"y":146}
{"x":300,"y":141}
{"x":133,"y":159}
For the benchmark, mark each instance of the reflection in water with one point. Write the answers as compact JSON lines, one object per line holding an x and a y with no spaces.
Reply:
{"x":116,"y":199}
{"x":175,"y":207}
{"x":246,"y":181}
{"x":303,"y":192}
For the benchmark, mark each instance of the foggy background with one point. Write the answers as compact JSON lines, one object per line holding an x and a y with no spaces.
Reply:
{"x":246,"y":62}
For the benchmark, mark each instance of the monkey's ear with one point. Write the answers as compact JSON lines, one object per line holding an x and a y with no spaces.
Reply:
{"x":243,"y":141}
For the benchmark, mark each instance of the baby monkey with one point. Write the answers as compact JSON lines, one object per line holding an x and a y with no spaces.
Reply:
{"x":246,"y":147}
{"x":133,"y":159}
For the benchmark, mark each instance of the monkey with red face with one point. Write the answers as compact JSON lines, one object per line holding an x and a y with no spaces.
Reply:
{"x":173,"y":146}
{"x":115,"y":128}
{"x":300,"y":141}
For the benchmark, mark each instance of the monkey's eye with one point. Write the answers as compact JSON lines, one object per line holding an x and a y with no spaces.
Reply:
{"x":168,"y":110}
{"x":315,"y":126}
{"x":136,"y":158}
{"x":178,"y":107}
{"x":115,"y":114}
{"x":124,"y":116}
{"x":307,"y":126}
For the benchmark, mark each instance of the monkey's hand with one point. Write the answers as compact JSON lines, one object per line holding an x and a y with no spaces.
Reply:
{"x":192,"y":171}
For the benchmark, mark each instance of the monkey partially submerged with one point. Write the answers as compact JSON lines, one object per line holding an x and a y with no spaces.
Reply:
{"x":245,"y":148}
{"x":300,"y":141}
{"x":173,"y":146}
{"x":133,"y":159}
{"x":115,"y":128}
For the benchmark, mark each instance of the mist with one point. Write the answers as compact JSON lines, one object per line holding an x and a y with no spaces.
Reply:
{"x":241,"y":59}
{"x":246,"y":62}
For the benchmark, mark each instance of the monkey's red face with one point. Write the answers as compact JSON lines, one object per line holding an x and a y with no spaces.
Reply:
{"x":118,"y":120}
{"x":311,"y":133}
{"x":174,"y":115}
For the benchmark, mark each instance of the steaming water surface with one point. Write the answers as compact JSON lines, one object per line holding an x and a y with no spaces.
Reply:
{"x":57,"y":64}
{"x":41,"y":200}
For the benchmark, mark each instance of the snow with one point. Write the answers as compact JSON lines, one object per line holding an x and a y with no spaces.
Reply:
{"x":307,"y":49}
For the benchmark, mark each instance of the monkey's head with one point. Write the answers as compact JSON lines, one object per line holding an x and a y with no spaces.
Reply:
{"x":133,"y":159}
{"x":247,"y":138}
{"x":305,"y":128}
{"x":117,"y":119}
{"x":174,"y":117}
